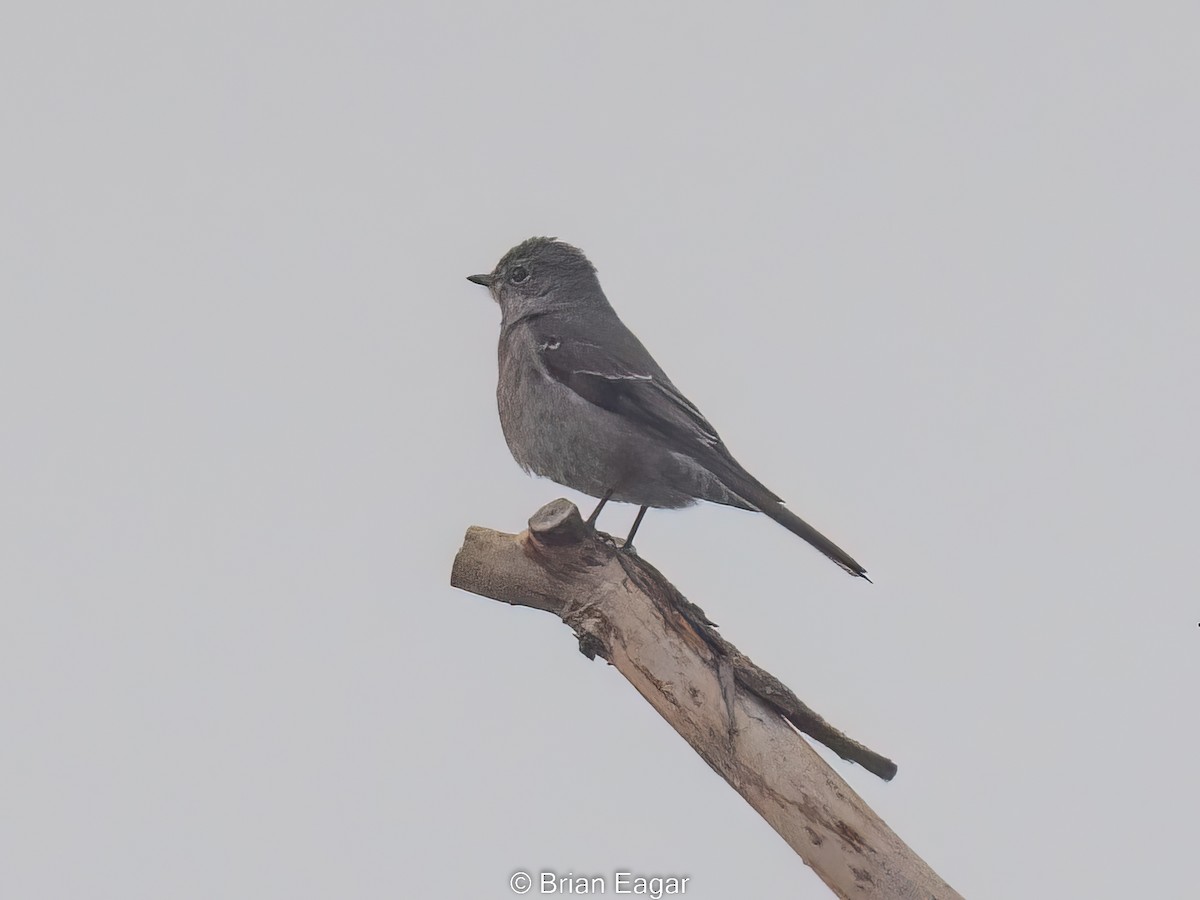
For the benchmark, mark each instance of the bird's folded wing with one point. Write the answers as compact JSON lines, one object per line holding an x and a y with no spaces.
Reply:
{"x":625,"y":380}
{"x":637,"y":390}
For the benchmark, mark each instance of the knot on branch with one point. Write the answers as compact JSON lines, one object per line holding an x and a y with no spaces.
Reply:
{"x":558,"y":524}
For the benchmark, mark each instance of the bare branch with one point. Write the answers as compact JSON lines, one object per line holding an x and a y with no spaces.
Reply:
{"x":738,"y":717}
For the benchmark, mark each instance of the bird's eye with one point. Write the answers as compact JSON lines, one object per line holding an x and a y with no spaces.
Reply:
{"x":519,"y":274}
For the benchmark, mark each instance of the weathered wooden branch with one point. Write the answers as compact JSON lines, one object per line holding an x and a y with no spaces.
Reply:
{"x":734,"y":714}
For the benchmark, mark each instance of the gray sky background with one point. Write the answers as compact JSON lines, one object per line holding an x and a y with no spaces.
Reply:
{"x":931,"y":271}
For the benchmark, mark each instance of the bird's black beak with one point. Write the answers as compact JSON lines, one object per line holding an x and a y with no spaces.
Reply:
{"x":485,"y":280}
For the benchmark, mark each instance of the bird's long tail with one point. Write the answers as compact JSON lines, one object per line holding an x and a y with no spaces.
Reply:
{"x":798,"y":526}
{"x":751,"y":492}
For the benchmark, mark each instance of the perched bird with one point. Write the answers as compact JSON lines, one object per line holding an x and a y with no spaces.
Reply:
{"x":583,"y":403}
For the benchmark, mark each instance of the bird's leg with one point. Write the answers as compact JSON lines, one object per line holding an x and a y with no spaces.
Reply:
{"x":628,"y":545}
{"x":591,"y":520}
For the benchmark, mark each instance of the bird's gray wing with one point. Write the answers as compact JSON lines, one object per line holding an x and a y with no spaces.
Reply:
{"x":626,"y":381}
{"x":641,"y":393}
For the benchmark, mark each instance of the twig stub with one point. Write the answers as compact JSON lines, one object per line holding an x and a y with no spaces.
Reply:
{"x":558,"y":524}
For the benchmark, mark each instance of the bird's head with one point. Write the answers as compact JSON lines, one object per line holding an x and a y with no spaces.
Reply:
{"x":540,"y":275}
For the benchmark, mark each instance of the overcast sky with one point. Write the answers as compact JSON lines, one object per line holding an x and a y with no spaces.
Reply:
{"x":930,"y":269}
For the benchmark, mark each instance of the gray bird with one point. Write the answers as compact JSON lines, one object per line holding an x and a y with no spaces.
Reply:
{"x":584,"y":404}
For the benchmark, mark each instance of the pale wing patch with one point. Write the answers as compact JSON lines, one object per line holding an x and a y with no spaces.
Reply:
{"x":616,"y":376}
{"x":550,"y":345}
